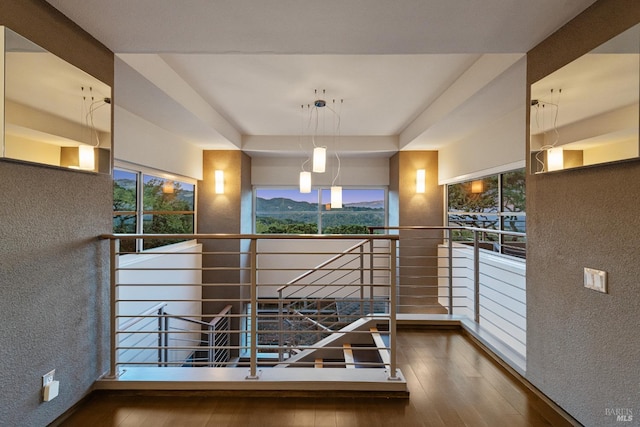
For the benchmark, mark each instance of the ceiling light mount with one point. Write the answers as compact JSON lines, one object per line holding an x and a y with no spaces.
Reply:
{"x":320,"y":103}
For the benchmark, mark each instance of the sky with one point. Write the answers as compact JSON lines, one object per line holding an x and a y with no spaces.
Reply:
{"x":348,"y":195}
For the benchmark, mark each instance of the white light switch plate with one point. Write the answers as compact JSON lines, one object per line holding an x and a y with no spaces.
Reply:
{"x":595,"y":279}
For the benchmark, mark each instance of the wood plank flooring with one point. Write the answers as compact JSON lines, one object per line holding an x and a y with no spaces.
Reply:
{"x":452,"y":383}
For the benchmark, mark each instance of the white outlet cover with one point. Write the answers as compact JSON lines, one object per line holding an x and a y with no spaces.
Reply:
{"x":595,"y":279}
{"x":51,"y":391}
{"x":48,"y":377}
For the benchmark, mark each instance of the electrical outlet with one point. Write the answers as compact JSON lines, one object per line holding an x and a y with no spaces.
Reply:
{"x":48,"y":378}
{"x":595,"y":280}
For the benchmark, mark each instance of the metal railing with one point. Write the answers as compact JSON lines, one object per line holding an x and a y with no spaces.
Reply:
{"x":473,"y":272}
{"x":193,"y":281}
{"x":300,"y":299}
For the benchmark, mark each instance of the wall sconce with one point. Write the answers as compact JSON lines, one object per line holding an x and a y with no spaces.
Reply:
{"x":555,"y":159}
{"x":219,"y":178}
{"x":477,"y":187}
{"x":336,"y":197}
{"x":305,"y":182}
{"x":167,"y":187}
{"x":420,"y":180}
{"x":319,"y":159}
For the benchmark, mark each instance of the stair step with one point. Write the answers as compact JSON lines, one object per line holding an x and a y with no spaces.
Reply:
{"x":382,"y":347}
{"x":349,"y":361}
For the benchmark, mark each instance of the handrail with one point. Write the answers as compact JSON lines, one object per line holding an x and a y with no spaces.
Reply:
{"x":314,"y":322}
{"x":138,"y":317}
{"x":322,"y":265}
{"x":213,"y":322}
{"x":118,"y":236}
{"x":221,"y":315}
{"x":447,"y":227}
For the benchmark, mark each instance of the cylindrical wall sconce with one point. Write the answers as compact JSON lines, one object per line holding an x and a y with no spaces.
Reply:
{"x":477,"y":186}
{"x":219,"y":178}
{"x":319,"y":159}
{"x":421,"y":177}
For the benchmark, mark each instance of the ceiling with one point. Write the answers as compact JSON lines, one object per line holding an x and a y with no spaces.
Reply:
{"x":218,"y":73}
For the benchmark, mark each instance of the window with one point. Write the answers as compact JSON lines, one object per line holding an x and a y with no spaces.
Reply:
{"x":149,"y":204}
{"x":289,"y":211}
{"x":495,"y":202}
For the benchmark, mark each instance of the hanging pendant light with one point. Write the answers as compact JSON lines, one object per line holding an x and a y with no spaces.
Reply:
{"x":319,"y":159}
{"x":305,"y":182}
{"x":336,"y":197}
{"x":86,"y":157}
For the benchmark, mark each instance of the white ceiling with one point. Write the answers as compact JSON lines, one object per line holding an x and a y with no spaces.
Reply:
{"x":216,"y":72}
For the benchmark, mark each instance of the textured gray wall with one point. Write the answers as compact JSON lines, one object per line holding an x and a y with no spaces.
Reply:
{"x":53,"y":288}
{"x":228,"y":213}
{"x":53,"y":269}
{"x":583,"y":346}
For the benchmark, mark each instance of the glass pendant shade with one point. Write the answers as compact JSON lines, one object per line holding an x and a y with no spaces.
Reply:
{"x":305,"y":182}
{"x":555,"y":159}
{"x":336,"y":197}
{"x":319,"y":159}
{"x":86,"y":157}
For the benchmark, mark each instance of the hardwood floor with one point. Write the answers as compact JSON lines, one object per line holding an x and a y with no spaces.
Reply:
{"x":452,"y":383}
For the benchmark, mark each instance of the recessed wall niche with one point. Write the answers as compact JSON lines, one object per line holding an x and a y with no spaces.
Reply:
{"x":54,"y":114}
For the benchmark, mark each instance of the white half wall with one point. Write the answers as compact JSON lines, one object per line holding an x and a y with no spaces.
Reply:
{"x":178,"y":281}
{"x":143,"y":143}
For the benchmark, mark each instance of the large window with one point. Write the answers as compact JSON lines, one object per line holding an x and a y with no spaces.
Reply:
{"x":289,"y":211}
{"x":495,"y":202}
{"x":149,"y":204}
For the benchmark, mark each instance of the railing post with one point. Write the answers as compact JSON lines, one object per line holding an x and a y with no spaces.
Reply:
{"x":476,"y":276}
{"x":211,"y":342}
{"x":280,"y":325}
{"x":450,"y":272}
{"x":166,"y":338}
{"x":253,"y":368}
{"x":160,"y":337}
{"x":392,"y":314}
{"x":361,"y":281}
{"x":371,"y":270}
{"x":114,"y":248}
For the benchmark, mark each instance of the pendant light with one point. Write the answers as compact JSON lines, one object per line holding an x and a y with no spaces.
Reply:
{"x":305,"y":182}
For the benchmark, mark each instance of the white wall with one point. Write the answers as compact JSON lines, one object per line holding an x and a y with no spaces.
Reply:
{"x":495,"y":144}
{"x":285,"y":171}
{"x":183,"y":280}
{"x":31,"y":151}
{"x":497,"y":147}
{"x":503,"y":310}
{"x":141,"y":142}
{"x":288,"y":259}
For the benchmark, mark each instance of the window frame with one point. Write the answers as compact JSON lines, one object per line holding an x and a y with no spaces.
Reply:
{"x":499,"y":213}
{"x":318,"y":190}
{"x":141,"y":172}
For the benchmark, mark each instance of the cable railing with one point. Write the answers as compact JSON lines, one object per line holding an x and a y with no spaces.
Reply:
{"x":476,"y":273}
{"x":309,"y":301}
{"x":234,"y":280}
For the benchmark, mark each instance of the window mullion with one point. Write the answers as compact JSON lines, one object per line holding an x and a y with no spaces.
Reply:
{"x":319,"y":211}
